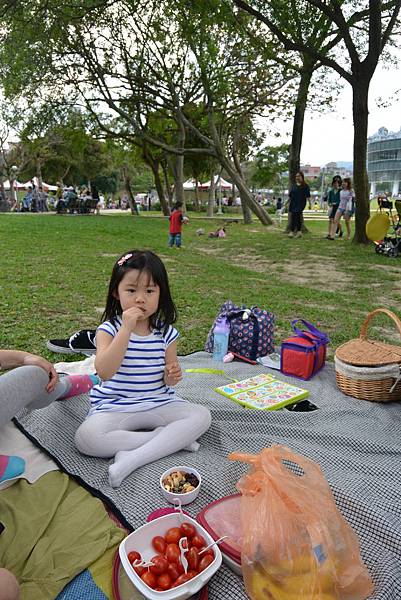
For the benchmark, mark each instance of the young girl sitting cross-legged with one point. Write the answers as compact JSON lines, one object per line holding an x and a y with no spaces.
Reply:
{"x":136,"y":416}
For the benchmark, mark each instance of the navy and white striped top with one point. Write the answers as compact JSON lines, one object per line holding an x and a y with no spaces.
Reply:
{"x":139,"y":382}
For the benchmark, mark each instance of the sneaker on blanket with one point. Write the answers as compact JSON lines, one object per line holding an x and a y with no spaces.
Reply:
{"x":81,"y":342}
{"x":11,"y":467}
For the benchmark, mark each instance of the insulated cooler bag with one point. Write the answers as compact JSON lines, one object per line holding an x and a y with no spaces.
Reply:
{"x":304,"y":354}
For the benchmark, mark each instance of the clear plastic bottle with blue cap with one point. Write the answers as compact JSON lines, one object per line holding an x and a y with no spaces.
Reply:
{"x":221,"y":334}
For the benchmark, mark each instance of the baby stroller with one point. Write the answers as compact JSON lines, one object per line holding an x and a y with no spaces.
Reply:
{"x":391,"y":244}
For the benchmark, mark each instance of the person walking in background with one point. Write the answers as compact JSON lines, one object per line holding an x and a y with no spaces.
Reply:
{"x":176,"y":218}
{"x":27,"y":201}
{"x":42,"y":200}
{"x":279,"y":210}
{"x":333,"y":200}
{"x":299,"y":194}
{"x":345,"y":208}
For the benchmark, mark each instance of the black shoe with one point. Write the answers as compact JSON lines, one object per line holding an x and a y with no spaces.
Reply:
{"x":81,"y":342}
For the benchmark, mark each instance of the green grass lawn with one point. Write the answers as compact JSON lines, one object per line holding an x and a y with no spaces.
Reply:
{"x":55,"y":272}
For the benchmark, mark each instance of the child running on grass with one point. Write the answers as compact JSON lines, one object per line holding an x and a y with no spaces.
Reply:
{"x":136,"y":416}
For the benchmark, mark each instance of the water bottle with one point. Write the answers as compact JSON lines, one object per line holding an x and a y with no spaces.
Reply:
{"x":221,"y":334}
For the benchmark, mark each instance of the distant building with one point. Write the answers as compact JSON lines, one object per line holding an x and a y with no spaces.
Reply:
{"x":333,"y":169}
{"x":384,"y":161}
{"x":310,"y":172}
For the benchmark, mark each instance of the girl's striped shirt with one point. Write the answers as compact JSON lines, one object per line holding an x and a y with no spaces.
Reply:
{"x":139,"y":382}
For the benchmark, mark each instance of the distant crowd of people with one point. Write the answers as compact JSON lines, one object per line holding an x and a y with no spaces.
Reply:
{"x":65,"y":199}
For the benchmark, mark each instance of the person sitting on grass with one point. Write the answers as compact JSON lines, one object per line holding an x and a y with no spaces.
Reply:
{"x":219,"y":233}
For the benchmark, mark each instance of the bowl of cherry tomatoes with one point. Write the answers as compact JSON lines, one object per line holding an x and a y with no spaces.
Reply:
{"x":158,"y":542}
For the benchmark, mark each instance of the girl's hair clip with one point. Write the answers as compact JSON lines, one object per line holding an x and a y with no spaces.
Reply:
{"x":124,"y":259}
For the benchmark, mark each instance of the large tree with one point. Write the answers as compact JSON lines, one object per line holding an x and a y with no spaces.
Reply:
{"x":358,"y":35}
{"x":133,"y":58}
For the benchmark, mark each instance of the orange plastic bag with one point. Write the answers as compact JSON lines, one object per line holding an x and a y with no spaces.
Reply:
{"x":296,"y":543}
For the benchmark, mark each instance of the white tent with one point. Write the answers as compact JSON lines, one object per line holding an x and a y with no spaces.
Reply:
{"x":46,"y":186}
{"x":190,"y":184}
{"x":16,"y":184}
{"x":219,"y":182}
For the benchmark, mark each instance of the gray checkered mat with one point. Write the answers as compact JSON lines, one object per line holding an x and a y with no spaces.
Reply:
{"x":357,"y":444}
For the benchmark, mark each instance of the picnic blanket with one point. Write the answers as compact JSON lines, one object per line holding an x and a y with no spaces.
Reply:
{"x":356,"y":443}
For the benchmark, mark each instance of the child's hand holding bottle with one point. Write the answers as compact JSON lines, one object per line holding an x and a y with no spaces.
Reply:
{"x":172,"y":374}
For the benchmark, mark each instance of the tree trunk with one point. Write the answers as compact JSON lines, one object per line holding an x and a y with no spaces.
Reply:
{"x":131,"y":198}
{"x":227,"y":164}
{"x":154,"y":165}
{"x":360,"y":113}
{"x":245,"y":194}
{"x":244,"y":203}
{"x":179,"y":166}
{"x":196,"y":197}
{"x":212,"y":194}
{"x":294,"y":159}
{"x":4,"y":206}
{"x":179,"y":181}
{"x":39,"y":173}
{"x":167,"y":185}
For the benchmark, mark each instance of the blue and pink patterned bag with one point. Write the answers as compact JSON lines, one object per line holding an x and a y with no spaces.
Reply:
{"x":251,"y":330}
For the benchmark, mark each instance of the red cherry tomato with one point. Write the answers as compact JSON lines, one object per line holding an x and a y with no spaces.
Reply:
{"x":139,"y":570}
{"x":149,"y":579}
{"x":198,"y":541}
{"x":159,"y":544}
{"x":182,"y":579}
{"x":173,"y":571}
{"x":134,"y":555}
{"x":193,"y":573}
{"x":209,"y":552}
{"x":160,"y":565}
{"x":205,"y":562}
{"x":173,"y":535}
{"x":173,"y":553}
{"x":192,"y":557}
{"x":179,"y":566}
{"x":188,"y":530}
{"x":164,"y":581}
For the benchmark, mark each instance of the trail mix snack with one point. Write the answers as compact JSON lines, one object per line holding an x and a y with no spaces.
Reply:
{"x":180,"y":483}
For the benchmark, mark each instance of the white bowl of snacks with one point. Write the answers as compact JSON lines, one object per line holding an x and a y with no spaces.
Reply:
{"x":158,"y":543}
{"x":180,"y":483}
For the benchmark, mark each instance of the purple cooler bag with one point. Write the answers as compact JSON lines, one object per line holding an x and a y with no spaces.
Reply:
{"x":251,"y":330}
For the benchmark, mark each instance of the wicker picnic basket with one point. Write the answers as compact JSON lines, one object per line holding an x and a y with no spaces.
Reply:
{"x":367,"y":369}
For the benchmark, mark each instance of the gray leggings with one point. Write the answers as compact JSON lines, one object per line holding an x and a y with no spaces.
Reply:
{"x":25,"y":387}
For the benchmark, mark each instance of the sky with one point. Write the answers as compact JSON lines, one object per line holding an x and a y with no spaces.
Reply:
{"x":329,"y":137}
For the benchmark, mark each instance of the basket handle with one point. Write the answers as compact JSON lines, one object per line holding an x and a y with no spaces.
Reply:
{"x":389,"y":313}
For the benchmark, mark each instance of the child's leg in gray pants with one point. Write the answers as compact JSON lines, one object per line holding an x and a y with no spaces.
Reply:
{"x":25,"y":387}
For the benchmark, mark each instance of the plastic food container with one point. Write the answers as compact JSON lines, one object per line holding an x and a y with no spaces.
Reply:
{"x":184,"y":498}
{"x":141,"y":540}
{"x":223,"y":517}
